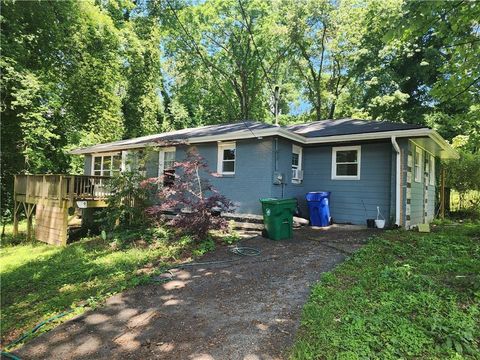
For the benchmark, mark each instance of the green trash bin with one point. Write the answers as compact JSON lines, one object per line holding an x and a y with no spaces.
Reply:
{"x":278,"y":217}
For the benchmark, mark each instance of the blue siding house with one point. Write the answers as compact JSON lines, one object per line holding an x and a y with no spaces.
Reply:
{"x":364,"y":164}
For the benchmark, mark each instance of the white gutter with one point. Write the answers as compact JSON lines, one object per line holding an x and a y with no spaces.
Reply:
{"x":260,"y":133}
{"x":244,"y":134}
{"x":397,"y":180}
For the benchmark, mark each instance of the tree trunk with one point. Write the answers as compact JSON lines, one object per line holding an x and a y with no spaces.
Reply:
{"x":318,"y":112}
{"x":331,"y":113}
{"x":447,"y":200}
{"x":318,"y":98}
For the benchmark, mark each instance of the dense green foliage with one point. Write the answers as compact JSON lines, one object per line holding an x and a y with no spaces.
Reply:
{"x":404,"y":295}
{"x":130,"y":195}
{"x":76,"y":73}
{"x":463,"y":176}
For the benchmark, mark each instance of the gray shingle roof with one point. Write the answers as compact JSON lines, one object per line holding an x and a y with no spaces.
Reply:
{"x":315,"y":129}
{"x":347,"y":127}
{"x":179,"y":135}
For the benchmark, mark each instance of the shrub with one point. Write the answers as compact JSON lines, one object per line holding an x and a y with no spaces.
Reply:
{"x":463,"y":175}
{"x":192,"y":195}
{"x":129,"y":197}
{"x":204,"y":247}
{"x":124,"y":238}
{"x":233,"y":235}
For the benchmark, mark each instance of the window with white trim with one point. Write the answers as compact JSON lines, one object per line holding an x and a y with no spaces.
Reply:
{"x":432,"y":170}
{"x":418,"y":164}
{"x":107,"y":165}
{"x":346,"y":162}
{"x":166,"y":165}
{"x":226,"y":158}
{"x":297,"y":164}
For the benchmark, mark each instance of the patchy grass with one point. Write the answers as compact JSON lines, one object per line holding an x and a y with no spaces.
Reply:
{"x":40,"y":280}
{"x":7,"y":237}
{"x":404,"y":295}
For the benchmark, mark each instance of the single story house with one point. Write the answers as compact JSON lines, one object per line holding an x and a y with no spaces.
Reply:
{"x":364,"y":164}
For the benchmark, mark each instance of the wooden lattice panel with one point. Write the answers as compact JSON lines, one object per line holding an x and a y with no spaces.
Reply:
{"x":51,"y":224}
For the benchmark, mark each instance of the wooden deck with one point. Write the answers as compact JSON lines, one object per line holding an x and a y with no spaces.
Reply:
{"x":51,"y":196}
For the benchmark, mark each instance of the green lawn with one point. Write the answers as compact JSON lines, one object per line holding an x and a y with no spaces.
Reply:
{"x":38,"y":281}
{"x":404,"y":295}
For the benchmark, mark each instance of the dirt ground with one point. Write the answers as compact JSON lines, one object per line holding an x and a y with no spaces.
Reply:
{"x":248,"y":308}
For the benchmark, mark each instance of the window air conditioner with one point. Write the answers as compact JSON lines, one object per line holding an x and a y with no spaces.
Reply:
{"x":297,"y":174}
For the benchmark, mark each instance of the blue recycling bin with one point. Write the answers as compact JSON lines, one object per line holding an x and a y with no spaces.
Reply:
{"x":318,"y":208}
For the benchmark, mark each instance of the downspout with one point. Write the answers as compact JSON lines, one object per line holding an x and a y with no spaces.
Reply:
{"x":397,"y":181}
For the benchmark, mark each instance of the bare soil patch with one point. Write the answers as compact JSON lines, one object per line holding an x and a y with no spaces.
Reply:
{"x":248,"y":308}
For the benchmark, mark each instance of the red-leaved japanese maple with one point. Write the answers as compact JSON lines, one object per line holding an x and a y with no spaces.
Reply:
{"x":193,"y":197}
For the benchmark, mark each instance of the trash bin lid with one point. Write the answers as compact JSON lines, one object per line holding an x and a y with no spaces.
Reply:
{"x":317,"y":195}
{"x":275,"y":201}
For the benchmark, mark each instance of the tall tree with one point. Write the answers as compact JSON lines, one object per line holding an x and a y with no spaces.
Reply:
{"x":328,"y":40}
{"x":420,"y":66}
{"x":64,"y":77}
{"x":226,"y":49}
{"x":142,"y":105}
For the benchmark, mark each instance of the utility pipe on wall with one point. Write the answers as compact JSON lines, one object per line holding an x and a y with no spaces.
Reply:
{"x":397,"y":181}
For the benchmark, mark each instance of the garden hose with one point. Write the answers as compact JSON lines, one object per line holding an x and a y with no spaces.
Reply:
{"x":237,"y":250}
{"x":31,"y":332}
{"x":9,"y":355}
{"x":245,"y":251}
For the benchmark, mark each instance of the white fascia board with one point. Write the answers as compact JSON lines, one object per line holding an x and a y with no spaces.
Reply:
{"x":450,"y":152}
{"x":247,"y":134}
{"x":368,"y":136}
{"x":94,"y":150}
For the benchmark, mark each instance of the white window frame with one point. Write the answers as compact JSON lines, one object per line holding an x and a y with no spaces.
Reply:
{"x":299,"y":151}
{"x":358,"y":148}
{"x":418,"y":164}
{"x":102,"y":155}
{"x":432,"y":170}
{"x":161,"y":158}
{"x":221,"y":147}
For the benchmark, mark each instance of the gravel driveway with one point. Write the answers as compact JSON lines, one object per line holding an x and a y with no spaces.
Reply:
{"x":246,"y":309}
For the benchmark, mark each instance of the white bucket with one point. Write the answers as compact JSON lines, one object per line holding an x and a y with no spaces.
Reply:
{"x":380,"y":224}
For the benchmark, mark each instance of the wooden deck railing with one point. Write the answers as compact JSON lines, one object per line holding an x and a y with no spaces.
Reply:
{"x":34,"y":188}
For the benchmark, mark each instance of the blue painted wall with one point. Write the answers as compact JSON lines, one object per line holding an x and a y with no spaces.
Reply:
{"x":374,"y":186}
{"x":253,"y":172}
{"x":257,"y":160}
{"x":284,"y":165}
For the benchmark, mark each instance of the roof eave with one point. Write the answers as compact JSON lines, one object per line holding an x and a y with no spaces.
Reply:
{"x":447,"y":150}
{"x":369,"y":136}
{"x":97,"y":149}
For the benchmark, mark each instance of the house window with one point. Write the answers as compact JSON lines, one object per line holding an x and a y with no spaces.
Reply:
{"x":418,"y":164}
{"x":346,"y":163}
{"x":166,"y":165}
{"x":297,"y":175}
{"x":226,"y":158}
{"x":107,"y":165}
